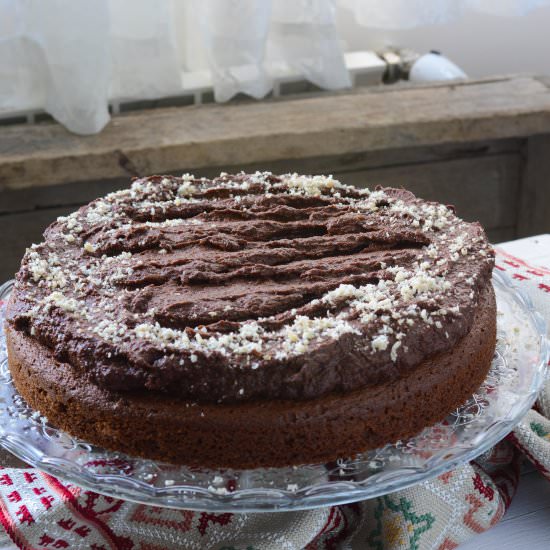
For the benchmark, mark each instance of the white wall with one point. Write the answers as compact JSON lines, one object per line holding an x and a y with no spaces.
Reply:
{"x":481,"y":44}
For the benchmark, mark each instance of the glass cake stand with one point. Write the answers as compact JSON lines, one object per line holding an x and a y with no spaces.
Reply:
{"x":516,"y":375}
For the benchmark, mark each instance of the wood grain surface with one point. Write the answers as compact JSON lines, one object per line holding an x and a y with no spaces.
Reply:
{"x":366,"y":119}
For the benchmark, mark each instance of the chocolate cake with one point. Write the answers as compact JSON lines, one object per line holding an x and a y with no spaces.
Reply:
{"x":253,"y":319}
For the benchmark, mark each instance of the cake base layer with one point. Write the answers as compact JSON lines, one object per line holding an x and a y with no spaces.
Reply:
{"x":254,"y":434}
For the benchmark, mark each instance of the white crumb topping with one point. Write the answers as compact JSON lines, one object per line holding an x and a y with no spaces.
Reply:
{"x":394,"y":348}
{"x":61,"y":301}
{"x":380,"y":343}
{"x":343,"y":292}
{"x":168,"y":223}
{"x":49,"y":270}
{"x":386,"y":307}
{"x":218,"y":490}
{"x":311,"y":185}
{"x":187,"y":189}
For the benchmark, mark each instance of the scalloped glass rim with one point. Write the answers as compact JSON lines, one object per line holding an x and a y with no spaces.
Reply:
{"x":516,"y":376}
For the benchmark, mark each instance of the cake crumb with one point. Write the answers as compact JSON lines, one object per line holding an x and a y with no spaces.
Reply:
{"x":218,"y":490}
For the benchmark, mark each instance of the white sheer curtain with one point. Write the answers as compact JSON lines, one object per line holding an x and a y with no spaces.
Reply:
{"x":70,"y":57}
{"x":246,"y":41}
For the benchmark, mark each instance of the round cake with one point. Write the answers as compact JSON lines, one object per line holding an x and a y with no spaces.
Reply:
{"x":252,"y":320}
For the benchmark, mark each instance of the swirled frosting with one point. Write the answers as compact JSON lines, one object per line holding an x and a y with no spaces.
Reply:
{"x":251,"y":286}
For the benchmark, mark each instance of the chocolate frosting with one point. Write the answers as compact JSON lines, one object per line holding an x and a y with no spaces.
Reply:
{"x":251,"y":286}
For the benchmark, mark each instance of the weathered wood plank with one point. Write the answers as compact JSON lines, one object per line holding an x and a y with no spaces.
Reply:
{"x":172,"y":139}
{"x":483,"y":189}
{"x":534,"y":204}
{"x":77,"y":193}
{"x":68,"y":194}
{"x":21,"y":230}
{"x":365,"y":160}
{"x":501,"y":234}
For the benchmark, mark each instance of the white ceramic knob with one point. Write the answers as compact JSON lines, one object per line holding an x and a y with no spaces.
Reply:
{"x":434,"y":66}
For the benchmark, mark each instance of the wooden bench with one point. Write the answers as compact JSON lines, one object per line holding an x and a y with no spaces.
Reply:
{"x":482,"y":145}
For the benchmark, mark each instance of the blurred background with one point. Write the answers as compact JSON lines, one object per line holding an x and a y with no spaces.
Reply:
{"x":450,"y":98}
